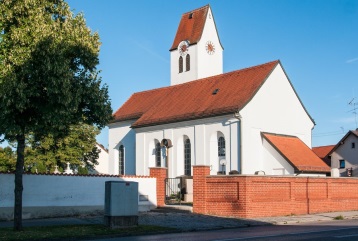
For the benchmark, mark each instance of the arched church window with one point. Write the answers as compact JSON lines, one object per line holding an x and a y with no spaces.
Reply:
{"x":187,"y":157}
{"x":180,"y":64}
{"x":187,"y":62}
{"x":121,"y":160}
{"x":221,"y":146}
{"x":158,"y":157}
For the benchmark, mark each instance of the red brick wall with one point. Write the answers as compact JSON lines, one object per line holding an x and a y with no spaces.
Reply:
{"x":199,"y":187}
{"x":160,"y":173}
{"x":264,"y":196}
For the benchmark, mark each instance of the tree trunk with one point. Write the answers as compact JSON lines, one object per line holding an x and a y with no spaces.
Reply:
{"x":18,"y":181}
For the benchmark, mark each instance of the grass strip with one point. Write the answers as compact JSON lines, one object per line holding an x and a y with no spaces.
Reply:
{"x":76,"y":232}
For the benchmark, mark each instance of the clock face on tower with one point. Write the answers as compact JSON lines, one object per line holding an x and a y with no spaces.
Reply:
{"x":210,"y":48}
{"x":183,"y":47}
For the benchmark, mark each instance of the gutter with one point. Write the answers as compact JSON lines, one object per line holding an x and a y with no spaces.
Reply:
{"x":239,"y":117}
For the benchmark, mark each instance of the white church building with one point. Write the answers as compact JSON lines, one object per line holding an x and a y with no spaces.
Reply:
{"x":246,"y":121}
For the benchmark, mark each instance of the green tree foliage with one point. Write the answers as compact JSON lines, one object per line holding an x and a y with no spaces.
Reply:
{"x":48,"y":76}
{"x":7,"y":159}
{"x":42,"y":156}
{"x":78,"y":148}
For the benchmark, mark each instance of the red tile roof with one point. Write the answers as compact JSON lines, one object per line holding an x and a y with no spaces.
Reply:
{"x":192,"y":28}
{"x":297,"y":153}
{"x":322,"y":151}
{"x":195,"y":99}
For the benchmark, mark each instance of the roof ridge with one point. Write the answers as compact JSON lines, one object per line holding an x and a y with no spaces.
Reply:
{"x":197,"y":9}
{"x":210,"y":77}
{"x":150,"y":90}
{"x":255,"y":66}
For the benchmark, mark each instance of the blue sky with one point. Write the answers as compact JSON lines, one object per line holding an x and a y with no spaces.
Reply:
{"x":316,"y":41}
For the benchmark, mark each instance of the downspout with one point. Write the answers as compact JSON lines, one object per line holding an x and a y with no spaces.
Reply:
{"x":239,"y":118}
{"x":194,"y":146}
{"x":230,"y":169}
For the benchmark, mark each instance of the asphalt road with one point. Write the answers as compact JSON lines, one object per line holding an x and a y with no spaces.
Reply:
{"x":340,"y":230}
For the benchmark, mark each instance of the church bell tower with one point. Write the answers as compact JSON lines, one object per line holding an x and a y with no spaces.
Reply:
{"x":196,"y":51}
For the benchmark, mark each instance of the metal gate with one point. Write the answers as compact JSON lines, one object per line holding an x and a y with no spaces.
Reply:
{"x":173,"y":189}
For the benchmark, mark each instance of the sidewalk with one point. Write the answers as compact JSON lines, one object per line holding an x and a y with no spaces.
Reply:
{"x":184,"y":220}
{"x":319,"y":217}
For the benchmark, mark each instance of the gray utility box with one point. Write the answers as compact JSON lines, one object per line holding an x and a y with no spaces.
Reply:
{"x":121,"y":204}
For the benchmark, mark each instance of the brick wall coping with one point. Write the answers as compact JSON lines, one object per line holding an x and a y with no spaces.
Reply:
{"x":274,"y":176}
{"x":78,"y":175}
{"x":158,"y":168}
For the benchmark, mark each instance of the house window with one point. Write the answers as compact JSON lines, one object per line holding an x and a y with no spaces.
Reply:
{"x":342,"y":164}
{"x":180,"y":64}
{"x":353,"y":145}
{"x":187,"y":62}
{"x":158,"y":158}
{"x":187,"y":157}
{"x":221,"y":146}
{"x":121,"y":160}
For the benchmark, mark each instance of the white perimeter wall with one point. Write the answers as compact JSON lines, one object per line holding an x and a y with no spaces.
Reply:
{"x":275,"y":109}
{"x":74,"y":192}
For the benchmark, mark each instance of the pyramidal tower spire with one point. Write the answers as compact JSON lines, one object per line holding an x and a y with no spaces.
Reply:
{"x":196,"y":51}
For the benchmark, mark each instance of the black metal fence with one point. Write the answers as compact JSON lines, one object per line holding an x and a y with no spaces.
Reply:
{"x":173,"y":193}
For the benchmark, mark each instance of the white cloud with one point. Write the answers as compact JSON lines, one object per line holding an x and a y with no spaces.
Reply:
{"x":351,"y":60}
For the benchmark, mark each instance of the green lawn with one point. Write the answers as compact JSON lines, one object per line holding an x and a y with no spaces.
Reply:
{"x":76,"y":232}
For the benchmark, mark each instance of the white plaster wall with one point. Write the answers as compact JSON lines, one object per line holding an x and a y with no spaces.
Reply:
{"x":120,"y":133}
{"x":58,"y":190}
{"x":274,"y":162}
{"x":203,"y":147}
{"x":141,"y":166}
{"x":347,"y":153}
{"x":276,"y":109}
{"x":103,"y":161}
{"x":209,"y":65}
{"x":145,"y":151}
{"x":201,"y":63}
{"x":185,"y":76}
{"x":70,"y":191}
{"x":225,"y":128}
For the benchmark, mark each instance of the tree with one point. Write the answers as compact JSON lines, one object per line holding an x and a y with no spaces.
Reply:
{"x":48,"y":76}
{"x":7,"y":159}
{"x":41,"y":156}
{"x":78,"y":148}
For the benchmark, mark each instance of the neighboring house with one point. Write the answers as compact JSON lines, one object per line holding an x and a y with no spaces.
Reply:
{"x":103,"y":158}
{"x":322,"y":152}
{"x":249,"y":120}
{"x":344,"y":155}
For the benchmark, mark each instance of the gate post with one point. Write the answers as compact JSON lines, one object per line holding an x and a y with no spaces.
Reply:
{"x":199,"y":188}
{"x":160,"y":173}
